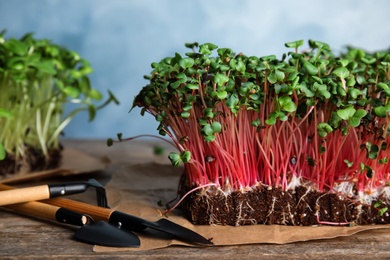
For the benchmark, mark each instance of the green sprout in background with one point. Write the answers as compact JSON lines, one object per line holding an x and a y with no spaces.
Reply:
{"x":37,"y":80}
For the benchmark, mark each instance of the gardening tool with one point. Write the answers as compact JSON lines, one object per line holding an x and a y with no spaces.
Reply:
{"x":127,"y":221}
{"x":95,"y":233}
{"x":42,"y":192}
{"x":130,"y":222}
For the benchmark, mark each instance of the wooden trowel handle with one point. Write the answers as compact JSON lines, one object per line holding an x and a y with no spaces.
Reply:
{"x":35,"y":209}
{"x":20,"y":195}
{"x":97,"y":213}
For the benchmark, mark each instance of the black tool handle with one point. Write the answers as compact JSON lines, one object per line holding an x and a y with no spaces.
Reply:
{"x":57,"y":190}
{"x":130,"y":222}
{"x":71,"y":217}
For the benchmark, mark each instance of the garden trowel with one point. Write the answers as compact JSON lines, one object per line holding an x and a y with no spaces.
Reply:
{"x":95,"y":233}
{"x":131,"y":222}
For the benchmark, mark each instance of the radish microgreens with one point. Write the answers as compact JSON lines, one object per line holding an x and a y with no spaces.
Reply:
{"x":240,"y":120}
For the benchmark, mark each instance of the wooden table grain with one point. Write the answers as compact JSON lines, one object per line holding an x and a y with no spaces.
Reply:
{"x":22,"y":237}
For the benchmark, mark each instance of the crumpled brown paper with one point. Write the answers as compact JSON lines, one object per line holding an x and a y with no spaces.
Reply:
{"x":136,"y":189}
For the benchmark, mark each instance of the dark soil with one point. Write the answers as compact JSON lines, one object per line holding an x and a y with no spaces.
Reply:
{"x":34,"y":160}
{"x":265,"y":205}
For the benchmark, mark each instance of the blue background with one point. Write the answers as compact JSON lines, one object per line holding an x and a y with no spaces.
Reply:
{"x":122,"y":38}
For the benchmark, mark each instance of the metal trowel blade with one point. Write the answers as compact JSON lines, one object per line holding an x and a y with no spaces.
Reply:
{"x":105,"y":234}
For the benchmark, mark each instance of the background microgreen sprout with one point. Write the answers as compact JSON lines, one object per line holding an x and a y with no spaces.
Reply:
{"x":158,"y":150}
{"x":37,"y":80}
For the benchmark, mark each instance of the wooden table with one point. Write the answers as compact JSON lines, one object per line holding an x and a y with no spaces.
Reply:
{"x":22,"y":237}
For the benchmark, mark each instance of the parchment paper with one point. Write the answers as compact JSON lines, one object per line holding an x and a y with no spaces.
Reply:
{"x":136,"y":189}
{"x":73,"y":162}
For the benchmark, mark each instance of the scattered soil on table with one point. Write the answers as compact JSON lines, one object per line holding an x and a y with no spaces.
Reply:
{"x":266,"y":205}
{"x":34,"y":160}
